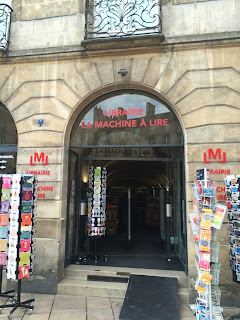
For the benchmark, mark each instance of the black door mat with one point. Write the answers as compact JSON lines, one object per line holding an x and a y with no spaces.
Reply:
{"x":150,"y":298}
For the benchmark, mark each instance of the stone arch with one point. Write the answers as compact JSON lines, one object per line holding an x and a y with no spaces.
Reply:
{"x":91,"y":99}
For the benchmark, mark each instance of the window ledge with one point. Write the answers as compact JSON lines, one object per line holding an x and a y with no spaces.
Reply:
{"x":146,"y":40}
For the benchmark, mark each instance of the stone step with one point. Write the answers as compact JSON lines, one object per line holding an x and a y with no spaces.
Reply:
{"x":183,"y":296}
{"x":92,"y":288}
{"x":81,"y":272}
{"x":104,"y":289}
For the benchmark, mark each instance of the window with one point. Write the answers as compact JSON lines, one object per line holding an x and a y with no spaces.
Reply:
{"x":152,"y":140}
{"x":118,"y":18}
{"x":166,"y":139}
{"x":122,"y":134}
{"x":167,"y":128}
{"x":152,"y":130}
{"x":136,"y":131}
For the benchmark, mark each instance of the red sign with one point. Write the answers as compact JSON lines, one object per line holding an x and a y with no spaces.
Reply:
{"x":220,"y":171}
{"x":23,"y":272}
{"x":39,"y":159}
{"x":215,"y":155}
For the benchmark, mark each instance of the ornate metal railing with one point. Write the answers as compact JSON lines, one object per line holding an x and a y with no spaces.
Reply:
{"x":5,"y":19}
{"x":118,"y":18}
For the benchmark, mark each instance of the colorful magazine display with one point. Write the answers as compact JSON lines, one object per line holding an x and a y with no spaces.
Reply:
{"x":206,"y":219}
{"x":232,"y":186}
{"x":17,"y":224}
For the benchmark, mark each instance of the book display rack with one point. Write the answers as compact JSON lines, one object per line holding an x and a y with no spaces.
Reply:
{"x":205,"y":221}
{"x":17,"y":232}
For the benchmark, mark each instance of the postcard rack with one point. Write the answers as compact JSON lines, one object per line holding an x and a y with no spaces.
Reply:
{"x":232,"y":187}
{"x":97,"y":196}
{"x":206,"y":219}
{"x":17,"y":232}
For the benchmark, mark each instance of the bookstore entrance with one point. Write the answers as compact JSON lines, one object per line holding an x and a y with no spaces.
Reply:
{"x":126,"y":197}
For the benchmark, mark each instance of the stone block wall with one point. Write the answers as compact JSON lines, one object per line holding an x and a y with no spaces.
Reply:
{"x":200,"y":83}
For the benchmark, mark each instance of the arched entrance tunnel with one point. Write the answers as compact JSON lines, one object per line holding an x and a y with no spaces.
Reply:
{"x":138,"y":142}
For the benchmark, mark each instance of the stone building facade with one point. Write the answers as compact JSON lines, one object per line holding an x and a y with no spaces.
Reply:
{"x":50,"y":72}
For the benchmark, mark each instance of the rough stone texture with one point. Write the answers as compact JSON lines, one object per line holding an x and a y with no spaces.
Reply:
{"x":47,"y":228}
{"x":40,"y":139}
{"x":36,"y":9}
{"x":89,"y":74}
{"x":44,"y":33}
{"x":200,"y":17}
{"x":215,"y":133}
{"x":43,"y":106}
{"x":48,"y":209}
{"x":105,"y":72}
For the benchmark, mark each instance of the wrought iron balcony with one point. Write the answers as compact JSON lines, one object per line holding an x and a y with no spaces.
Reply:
{"x":119,"y":18}
{"x":5,"y":19}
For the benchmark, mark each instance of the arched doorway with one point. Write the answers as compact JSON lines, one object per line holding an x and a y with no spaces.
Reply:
{"x":139,"y":140}
{"x":8,"y":142}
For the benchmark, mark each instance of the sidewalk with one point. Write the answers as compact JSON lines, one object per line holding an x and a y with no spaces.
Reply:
{"x":59,"y":307}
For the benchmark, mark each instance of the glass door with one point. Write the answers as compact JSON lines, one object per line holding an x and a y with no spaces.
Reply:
{"x":180,"y":232}
{"x":72,"y":210}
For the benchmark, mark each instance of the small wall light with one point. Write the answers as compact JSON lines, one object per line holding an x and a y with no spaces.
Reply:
{"x":122,"y":72}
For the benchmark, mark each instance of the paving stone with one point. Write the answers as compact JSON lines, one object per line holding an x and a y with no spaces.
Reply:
{"x":42,"y":307}
{"x":17,"y":314}
{"x":74,"y":303}
{"x":100,"y":303}
{"x":36,"y":316}
{"x":65,"y":296}
{"x":100,"y":314}
{"x":116,"y":305}
{"x":43,"y":297}
{"x":72,"y":314}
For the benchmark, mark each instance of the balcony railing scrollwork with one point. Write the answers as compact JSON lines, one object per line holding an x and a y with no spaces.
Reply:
{"x":5,"y":19}
{"x":118,"y":18}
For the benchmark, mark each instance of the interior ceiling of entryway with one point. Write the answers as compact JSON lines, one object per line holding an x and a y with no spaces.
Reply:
{"x":136,"y":174}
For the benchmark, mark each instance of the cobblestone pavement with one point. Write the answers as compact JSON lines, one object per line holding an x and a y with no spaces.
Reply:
{"x":59,"y":307}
